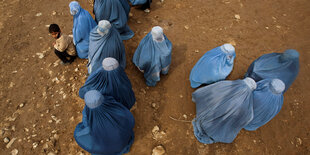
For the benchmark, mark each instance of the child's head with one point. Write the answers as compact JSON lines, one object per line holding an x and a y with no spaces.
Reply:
{"x":54,"y":30}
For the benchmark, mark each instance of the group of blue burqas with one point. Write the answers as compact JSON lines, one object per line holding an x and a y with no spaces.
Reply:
{"x":107,"y":123}
{"x":223,"y":107}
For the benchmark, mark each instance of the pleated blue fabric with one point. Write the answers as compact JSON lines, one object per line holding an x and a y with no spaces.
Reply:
{"x":283,"y":66}
{"x":213,"y":66}
{"x":106,"y":127}
{"x":153,"y":55}
{"x":83,"y":23}
{"x":113,"y":82}
{"x":115,"y":11}
{"x":105,"y":42}
{"x":268,"y":101}
{"x":222,"y":110}
{"x":126,"y":6}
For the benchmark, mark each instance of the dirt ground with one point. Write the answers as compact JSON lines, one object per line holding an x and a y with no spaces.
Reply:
{"x":39,"y":99}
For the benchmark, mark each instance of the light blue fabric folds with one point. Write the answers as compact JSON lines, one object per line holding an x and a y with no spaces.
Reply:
{"x":105,"y":44}
{"x":222,"y":110}
{"x":106,"y":127}
{"x":213,"y":66}
{"x":115,"y":11}
{"x":153,"y":56}
{"x":112,"y":82}
{"x":268,"y":100}
{"x":83,"y":23}
{"x":283,"y":66}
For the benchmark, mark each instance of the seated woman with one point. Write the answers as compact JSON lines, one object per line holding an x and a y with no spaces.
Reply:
{"x":283,"y":66}
{"x":83,"y":23}
{"x":213,"y":66}
{"x":153,"y":55}
{"x":223,"y":109}
{"x":268,"y":101}
{"x":110,"y":79}
{"x":105,"y":42}
{"x":106,"y":127}
{"x":116,"y":12}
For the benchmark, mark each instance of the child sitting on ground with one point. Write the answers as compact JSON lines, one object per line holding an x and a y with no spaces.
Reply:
{"x":64,"y":47}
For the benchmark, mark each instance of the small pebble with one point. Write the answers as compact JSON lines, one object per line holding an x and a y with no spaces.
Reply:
{"x":21,"y":105}
{"x":185,"y":116}
{"x":14,"y":152}
{"x":35,"y":145}
{"x":155,"y":129}
{"x":39,"y":14}
{"x":237,"y":17}
{"x":299,"y":141}
{"x":158,"y":150}
{"x":154,"y":105}
{"x":6,"y":140}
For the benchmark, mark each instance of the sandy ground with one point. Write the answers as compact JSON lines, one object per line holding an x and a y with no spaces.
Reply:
{"x":39,"y":99}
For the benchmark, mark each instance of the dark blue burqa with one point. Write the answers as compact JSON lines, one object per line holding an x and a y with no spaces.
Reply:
{"x":153,"y":57}
{"x":213,"y":66}
{"x":115,"y":11}
{"x":101,"y":47}
{"x":283,"y":66}
{"x":268,"y":101}
{"x":139,"y":2}
{"x":222,"y":110}
{"x":106,"y":127}
{"x":113,"y":83}
{"x":83,"y":23}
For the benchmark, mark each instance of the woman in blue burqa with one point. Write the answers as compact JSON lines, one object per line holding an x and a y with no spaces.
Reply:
{"x":268,"y":101}
{"x":283,"y":66}
{"x":213,"y":66}
{"x":115,"y":11}
{"x":153,"y":55}
{"x":106,"y":127}
{"x":83,"y":23}
{"x":105,"y":42}
{"x":110,"y":79}
{"x":222,"y":110}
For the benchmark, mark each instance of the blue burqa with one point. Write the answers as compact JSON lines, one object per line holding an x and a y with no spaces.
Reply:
{"x":153,"y":57}
{"x":213,"y":66}
{"x":83,"y":23}
{"x":113,"y":83}
{"x":222,"y":110}
{"x":268,"y":100}
{"x":101,"y":47}
{"x":283,"y":66}
{"x":115,"y":11}
{"x":106,"y":127}
{"x":126,"y":6}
